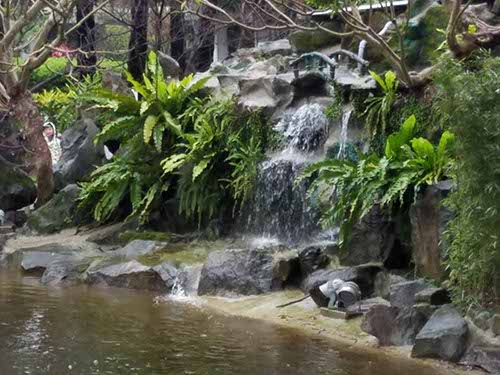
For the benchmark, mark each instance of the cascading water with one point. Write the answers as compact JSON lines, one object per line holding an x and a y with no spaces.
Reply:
{"x":343,"y":134}
{"x":186,"y":282}
{"x":281,"y":208}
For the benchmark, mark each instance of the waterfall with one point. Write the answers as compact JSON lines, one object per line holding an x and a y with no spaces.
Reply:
{"x":186,"y":282}
{"x":280,"y":208}
{"x":343,"y":133}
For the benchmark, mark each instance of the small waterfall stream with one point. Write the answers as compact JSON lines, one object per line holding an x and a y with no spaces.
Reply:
{"x":186,"y":282}
{"x":281,"y":209}
{"x":346,"y":116}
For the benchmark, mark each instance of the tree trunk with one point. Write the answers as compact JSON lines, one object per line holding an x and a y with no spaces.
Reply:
{"x":26,"y":112}
{"x":177,"y":37}
{"x":87,"y":59}
{"x":138,"y":44}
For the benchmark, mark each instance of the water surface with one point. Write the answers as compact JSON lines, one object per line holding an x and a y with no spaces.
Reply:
{"x":88,"y":331}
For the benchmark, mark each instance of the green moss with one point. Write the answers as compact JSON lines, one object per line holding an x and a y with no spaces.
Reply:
{"x":131,"y":235}
{"x":182,"y":253}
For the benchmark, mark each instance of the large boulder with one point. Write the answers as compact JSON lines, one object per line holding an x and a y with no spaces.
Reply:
{"x":277,"y":47}
{"x":243,"y":272}
{"x":64,"y":271}
{"x":372,"y":239}
{"x":79,"y":154}
{"x":428,"y":222}
{"x":56,"y":214}
{"x":403,"y":294}
{"x":383,"y":283}
{"x":37,"y":261}
{"x":444,"y":336}
{"x":168,"y":274}
{"x":363,"y":275}
{"x":17,"y":189}
{"x":433,"y":296}
{"x":130,"y":274}
{"x":392,"y":325}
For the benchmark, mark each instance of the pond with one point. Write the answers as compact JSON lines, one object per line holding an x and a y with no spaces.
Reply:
{"x":86,"y":331}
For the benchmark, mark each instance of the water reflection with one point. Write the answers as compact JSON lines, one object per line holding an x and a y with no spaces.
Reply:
{"x":97,"y":331}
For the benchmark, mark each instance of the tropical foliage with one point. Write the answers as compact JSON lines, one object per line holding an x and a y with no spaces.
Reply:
{"x":378,"y":107}
{"x":469,"y":101}
{"x":355,"y":187}
{"x":177,"y":142}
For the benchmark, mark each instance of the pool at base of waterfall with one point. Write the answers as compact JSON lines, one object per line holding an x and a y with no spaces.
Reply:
{"x":85,"y":331}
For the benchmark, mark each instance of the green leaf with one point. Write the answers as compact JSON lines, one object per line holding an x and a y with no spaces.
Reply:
{"x":390,"y":79}
{"x":149,"y":125}
{"x":199,"y":168}
{"x":472,"y":29}
{"x":379,"y":80}
{"x":423,"y":148}
{"x":144,"y":107}
{"x":173,"y":162}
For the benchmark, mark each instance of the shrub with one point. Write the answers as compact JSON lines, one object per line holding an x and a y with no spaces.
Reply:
{"x":469,"y":100}
{"x":355,"y":187}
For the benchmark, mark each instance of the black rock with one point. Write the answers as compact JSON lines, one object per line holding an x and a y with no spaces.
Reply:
{"x":433,"y":296}
{"x":243,"y":272}
{"x":403,"y":294}
{"x":168,"y":273}
{"x":64,"y":272}
{"x":392,"y":325}
{"x":444,"y":336}
{"x":17,"y":189}
{"x":486,"y":358}
{"x":311,"y":259}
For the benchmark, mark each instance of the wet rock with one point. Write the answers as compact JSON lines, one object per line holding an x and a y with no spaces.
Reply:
{"x":312,"y":259}
{"x":392,"y":325}
{"x":79,"y":154}
{"x":168,"y":273}
{"x":495,"y":324}
{"x":403,"y":294}
{"x":138,"y":248}
{"x":433,"y":296}
{"x":286,"y":270}
{"x":444,"y":336}
{"x":363,"y":275}
{"x":37,"y":261}
{"x":109,"y":235}
{"x":56,"y":214}
{"x":384,"y":281}
{"x":243,"y":272}
{"x":270,"y":93}
{"x":131,"y":274}
{"x":372,"y":239}
{"x":17,"y":189}
{"x":484,"y":357}
{"x":277,"y":47}
{"x":64,"y":272}
{"x":426,"y":309}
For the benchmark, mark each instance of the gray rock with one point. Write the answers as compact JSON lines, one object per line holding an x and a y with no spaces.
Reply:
{"x":482,"y":320}
{"x":64,"y":272}
{"x":392,"y":325}
{"x":137,"y":248}
{"x":277,"y":47}
{"x":131,"y":274}
{"x":484,"y":357}
{"x":312,"y":259}
{"x":37,"y":261}
{"x":79,"y":154}
{"x":266,"y":92}
{"x":433,"y":296}
{"x":56,"y":214}
{"x":17,"y":189}
{"x":426,"y":309}
{"x":403,"y":294}
{"x":363,"y":275}
{"x":108,"y":235}
{"x":169,"y":65}
{"x":168,"y":273}
{"x":372,"y":239}
{"x":243,"y":272}
{"x":444,"y":336}
{"x":384,"y":281}
{"x":495,"y":324}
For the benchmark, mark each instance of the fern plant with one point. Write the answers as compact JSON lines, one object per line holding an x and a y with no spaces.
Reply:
{"x":175,"y":141}
{"x":354,"y":188}
{"x":378,"y":107}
